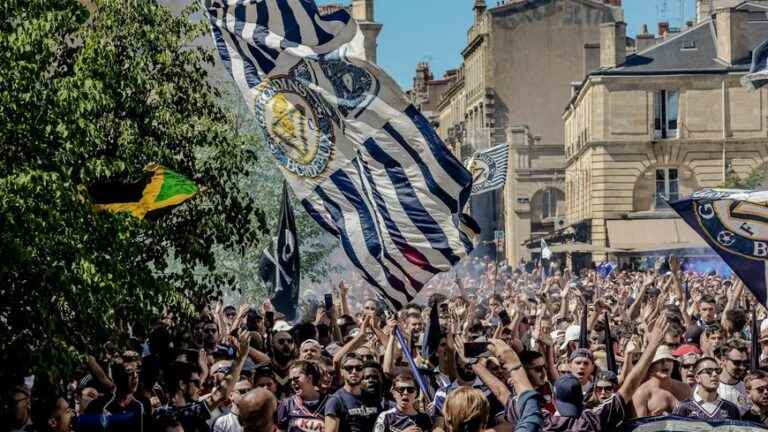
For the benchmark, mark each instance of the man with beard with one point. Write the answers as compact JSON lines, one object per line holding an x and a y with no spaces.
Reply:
{"x":229,"y":421}
{"x":283,"y":354}
{"x":349,"y":409}
{"x":404,"y":416}
{"x":660,"y":394}
{"x":756,"y":383}
{"x":212,"y":339}
{"x":734,"y":360}
{"x":706,"y":404}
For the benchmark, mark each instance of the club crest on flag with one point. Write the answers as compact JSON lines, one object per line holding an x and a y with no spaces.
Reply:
{"x":734,"y":223}
{"x":489,"y":169}
{"x":482,"y":167}
{"x":738,"y":226}
{"x":298,"y":125}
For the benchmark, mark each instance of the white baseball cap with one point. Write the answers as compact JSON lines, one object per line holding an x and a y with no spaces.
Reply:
{"x":572,"y":334}
{"x":281,"y":326}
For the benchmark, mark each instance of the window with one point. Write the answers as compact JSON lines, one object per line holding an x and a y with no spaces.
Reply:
{"x":549,"y":204}
{"x":667,"y":186}
{"x":665,"y":113}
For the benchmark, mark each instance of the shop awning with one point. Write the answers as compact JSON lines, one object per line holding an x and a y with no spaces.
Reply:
{"x":576,"y":247}
{"x":647,"y":235}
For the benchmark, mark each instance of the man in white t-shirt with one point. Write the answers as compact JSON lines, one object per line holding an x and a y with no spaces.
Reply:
{"x":734,"y":360}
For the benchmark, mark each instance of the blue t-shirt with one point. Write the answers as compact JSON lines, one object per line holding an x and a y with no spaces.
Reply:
{"x":355,"y":413}
{"x":295,"y":415}
{"x":397,"y":421}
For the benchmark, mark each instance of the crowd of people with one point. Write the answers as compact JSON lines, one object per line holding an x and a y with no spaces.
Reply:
{"x":496,"y":348}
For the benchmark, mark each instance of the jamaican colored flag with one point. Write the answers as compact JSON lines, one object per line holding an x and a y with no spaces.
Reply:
{"x":158,"y":188}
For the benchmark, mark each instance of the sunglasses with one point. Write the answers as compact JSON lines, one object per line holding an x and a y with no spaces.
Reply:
{"x":284,"y":341}
{"x":356,"y":368}
{"x":243,"y":391}
{"x":739,"y":362}
{"x":223,"y":370}
{"x":405,"y":390}
{"x":710,"y":371}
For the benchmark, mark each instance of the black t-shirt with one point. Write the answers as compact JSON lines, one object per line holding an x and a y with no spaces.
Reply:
{"x":296,"y":415}
{"x":397,"y":421}
{"x":355,"y":413}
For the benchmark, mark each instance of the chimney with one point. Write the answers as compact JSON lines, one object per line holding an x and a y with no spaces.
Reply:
{"x":613,"y":44}
{"x":731,"y":26}
{"x":663,"y":29}
{"x":591,"y":57}
{"x":362,"y":10}
{"x":644,"y":39}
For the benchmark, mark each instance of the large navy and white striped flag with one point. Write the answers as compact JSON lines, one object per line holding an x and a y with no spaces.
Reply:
{"x":758,"y":70}
{"x":367,"y":166}
{"x":735,"y":224}
{"x":489,"y":169}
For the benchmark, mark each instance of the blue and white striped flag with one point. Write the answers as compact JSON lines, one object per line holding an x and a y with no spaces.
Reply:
{"x":367,"y":166}
{"x":489,"y":169}
{"x":735,"y":224}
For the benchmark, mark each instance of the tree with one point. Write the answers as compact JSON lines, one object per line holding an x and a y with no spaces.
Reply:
{"x":93,"y":97}
{"x":264,"y":185}
{"x":753,"y":180}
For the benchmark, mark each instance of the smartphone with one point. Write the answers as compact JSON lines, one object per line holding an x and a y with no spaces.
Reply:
{"x":328,"y":303}
{"x":252,"y":320}
{"x":475,"y":349}
{"x":269,"y":319}
{"x":504,"y":317}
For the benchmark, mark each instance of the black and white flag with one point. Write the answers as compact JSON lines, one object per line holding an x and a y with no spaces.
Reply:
{"x":287,"y":275}
{"x":489,"y":169}
{"x":758,"y":71}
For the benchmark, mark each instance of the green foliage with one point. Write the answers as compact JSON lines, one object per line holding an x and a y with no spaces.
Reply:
{"x":264,"y":185}
{"x":753,"y":180}
{"x":89,"y":97}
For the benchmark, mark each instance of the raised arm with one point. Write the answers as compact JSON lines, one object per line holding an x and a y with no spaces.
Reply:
{"x":635,"y":308}
{"x":358,"y":340}
{"x":682,"y":297}
{"x":638,"y":372}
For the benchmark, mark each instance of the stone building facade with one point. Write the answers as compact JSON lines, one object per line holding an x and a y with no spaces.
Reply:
{"x":662,"y":123}
{"x":518,"y":64}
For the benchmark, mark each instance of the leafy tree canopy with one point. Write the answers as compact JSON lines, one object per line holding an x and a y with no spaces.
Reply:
{"x":88,"y":97}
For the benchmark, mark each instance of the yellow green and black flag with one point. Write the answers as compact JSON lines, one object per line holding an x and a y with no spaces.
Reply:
{"x":158,"y":188}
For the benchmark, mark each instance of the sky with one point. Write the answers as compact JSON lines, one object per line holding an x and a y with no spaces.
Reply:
{"x":436,"y":30}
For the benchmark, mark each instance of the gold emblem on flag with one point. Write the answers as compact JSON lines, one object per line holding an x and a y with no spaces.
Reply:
{"x":297,"y":125}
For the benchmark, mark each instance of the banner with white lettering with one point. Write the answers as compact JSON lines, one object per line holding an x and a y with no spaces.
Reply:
{"x":735,"y":224}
